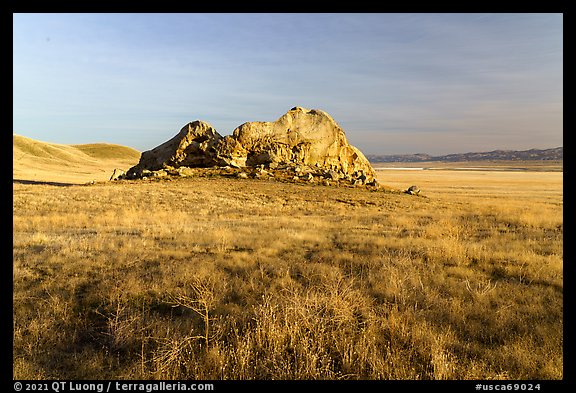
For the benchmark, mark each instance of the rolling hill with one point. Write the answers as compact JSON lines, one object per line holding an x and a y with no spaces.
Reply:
{"x":71,"y":164}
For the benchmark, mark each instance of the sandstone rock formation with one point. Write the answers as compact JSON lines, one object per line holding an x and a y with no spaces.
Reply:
{"x":310,"y":138}
{"x":193,"y":146}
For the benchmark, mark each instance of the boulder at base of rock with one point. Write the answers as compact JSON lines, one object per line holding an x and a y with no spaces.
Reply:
{"x":117,"y":174}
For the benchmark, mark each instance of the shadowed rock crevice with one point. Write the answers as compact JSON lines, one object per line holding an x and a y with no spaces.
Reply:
{"x":304,"y":137}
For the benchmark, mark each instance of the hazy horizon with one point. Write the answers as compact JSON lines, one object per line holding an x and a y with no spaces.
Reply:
{"x":396,"y":83}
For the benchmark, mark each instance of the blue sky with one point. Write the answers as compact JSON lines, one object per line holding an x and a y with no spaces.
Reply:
{"x":396,"y":83}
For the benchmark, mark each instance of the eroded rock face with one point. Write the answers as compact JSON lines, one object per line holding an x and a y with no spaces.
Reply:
{"x":308,"y":137}
{"x":193,"y":146}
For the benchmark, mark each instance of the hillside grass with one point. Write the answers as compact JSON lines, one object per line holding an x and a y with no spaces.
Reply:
{"x":38,"y":161}
{"x":215,"y":278}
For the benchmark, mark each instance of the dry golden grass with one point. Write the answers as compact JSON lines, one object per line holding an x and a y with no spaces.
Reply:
{"x":216,"y":278}
{"x":38,"y":161}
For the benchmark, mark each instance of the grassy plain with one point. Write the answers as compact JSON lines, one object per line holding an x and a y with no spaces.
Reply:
{"x":218,"y":278}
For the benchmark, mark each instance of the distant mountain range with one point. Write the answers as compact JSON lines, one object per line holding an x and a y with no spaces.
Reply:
{"x":556,"y":153}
